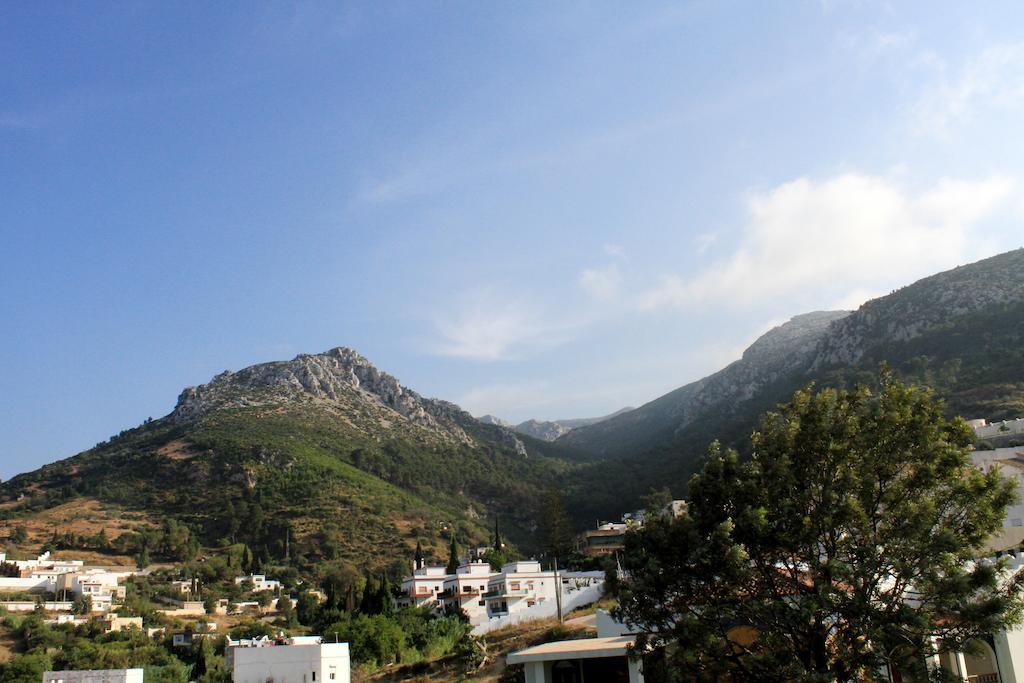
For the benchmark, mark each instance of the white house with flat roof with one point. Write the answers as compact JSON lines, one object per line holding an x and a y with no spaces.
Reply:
{"x":259,"y":582}
{"x":424,"y":587}
{"x":301,"y":659}
{"x":465,"y":590}
{"x":604,"y":658}
{"x":985,"y":430}
{"x":519,"y":586}
{"x":44,"y":561}
{"x":94,"y":676}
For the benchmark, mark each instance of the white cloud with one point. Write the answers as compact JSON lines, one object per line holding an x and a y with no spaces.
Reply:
{"x":705,"y":241}
{"x":854,"y":233}
{"x":489,"y":327}
{"x":601,"y":283}
{"x":992,"y":79}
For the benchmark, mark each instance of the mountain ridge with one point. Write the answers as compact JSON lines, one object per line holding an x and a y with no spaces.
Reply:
{"x":549,"y":430}
{"x":339,"y":454}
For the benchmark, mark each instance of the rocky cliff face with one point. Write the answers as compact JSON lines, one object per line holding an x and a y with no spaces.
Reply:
{"x":811,"y":346}
{"x":549,"y":430}
{"x":777,"y":353}
{"x":339,"y":378}
{"x":909,"y":312}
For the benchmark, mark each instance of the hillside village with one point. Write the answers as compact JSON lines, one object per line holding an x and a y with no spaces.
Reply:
{"x":261,"y":629}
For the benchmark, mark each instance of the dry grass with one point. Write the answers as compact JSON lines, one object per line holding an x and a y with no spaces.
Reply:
{"x":84,"y":517}
{"x":176,"y":450}
{"x":499,"y":644}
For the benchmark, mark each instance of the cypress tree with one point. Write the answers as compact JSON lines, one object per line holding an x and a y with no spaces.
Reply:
{"x":367,"y":603}
{"x":497,"y":536}
{"x":350,"y":598}
{"x":418,"y":557}
{"x":384,"y":596}
{"x":453,"y":557}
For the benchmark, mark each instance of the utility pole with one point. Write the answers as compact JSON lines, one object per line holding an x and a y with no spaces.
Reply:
{"x":558,"y":591}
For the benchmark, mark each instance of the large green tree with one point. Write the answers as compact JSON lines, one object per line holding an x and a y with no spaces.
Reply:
{"x":846,"y":543}
{"x":556,"y":532}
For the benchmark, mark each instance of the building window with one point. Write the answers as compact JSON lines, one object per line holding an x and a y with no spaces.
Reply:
{"x":314,"y":675}
{"x":482,"y":603}
{"x":1017,"y":522}
{"x":332,"y":675}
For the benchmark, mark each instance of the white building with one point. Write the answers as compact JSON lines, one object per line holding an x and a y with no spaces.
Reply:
{"x":465,"y":589}
{"x":26,"y":567}
{"x":423,"y":588}
{"x":604,"y":658}
{"x":296,"y":660}
{"x":260,"y":582}
{"x":1011,"y":463}
{"x":94,"y":676}
{"x":101,"y":586}
{"x":519,"y":586}
{"x":995,"y":430}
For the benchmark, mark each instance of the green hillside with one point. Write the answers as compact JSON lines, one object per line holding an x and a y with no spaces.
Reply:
{"x":324,"y":457}
{"x":960,"y":332}
{"x":294,"y":472}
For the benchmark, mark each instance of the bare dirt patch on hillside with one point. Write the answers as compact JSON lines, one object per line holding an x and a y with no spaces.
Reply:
{"x":82,"y":517}
{"x":176,"y":450}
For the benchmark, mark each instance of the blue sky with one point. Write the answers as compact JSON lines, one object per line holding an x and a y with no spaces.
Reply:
{"x":533,"y":209}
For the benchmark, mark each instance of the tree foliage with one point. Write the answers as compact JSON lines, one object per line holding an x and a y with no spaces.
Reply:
{"x":556,"y":529}
{"x":844,"y":544}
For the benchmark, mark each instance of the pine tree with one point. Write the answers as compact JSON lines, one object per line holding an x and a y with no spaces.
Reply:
{"x":497,"y":536}
{"x":847,"y":543}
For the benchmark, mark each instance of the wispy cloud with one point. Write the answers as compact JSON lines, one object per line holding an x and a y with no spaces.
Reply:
{"x":852,"y":233}
{"x":486,"y":326}
{"x":992,"y":79}
{"x":601,"y":283}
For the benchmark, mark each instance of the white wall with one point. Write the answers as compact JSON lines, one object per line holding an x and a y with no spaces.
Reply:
{"x":95,"y":676}
{"x":14,"y":585}
{"x":571,"y":599}
{"x":986,"y":460}
{"x":292,"y":663}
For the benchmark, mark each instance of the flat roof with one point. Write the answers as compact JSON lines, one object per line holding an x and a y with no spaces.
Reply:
{"x":1004,"y":539}
{"x":584,"y":648}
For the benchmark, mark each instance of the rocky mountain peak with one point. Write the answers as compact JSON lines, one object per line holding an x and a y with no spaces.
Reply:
{"x":799,"y":335}
{"x":930,"y":302}
{"x":338,"y":376}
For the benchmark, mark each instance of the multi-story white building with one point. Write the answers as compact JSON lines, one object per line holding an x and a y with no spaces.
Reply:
{"x":518,"y":587}
{"x":465,"y":590}
{"x":305,"y":659}
{"x":260,"y":582}
{"x":94,"y":676}
{"x":423,"y":587}
{"x":101,"y":586}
